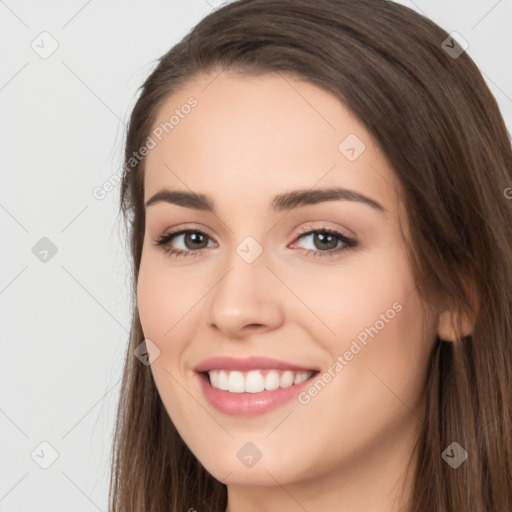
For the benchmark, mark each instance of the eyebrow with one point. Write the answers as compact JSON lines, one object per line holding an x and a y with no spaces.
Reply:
{"x":279,"y":203}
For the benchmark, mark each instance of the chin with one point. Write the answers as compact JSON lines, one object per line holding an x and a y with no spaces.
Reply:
{"x":239,"y":463}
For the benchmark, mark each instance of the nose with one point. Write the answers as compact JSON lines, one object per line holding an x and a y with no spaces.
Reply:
{"x":246,"y":299}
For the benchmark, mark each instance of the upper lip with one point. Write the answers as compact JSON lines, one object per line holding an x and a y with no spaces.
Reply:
{"x":247,"y":364}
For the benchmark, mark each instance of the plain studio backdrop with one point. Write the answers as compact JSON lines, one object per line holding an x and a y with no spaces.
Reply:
{"x":68,"y":79}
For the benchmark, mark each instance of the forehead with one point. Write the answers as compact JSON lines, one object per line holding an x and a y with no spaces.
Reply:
{"x":262,"y":135}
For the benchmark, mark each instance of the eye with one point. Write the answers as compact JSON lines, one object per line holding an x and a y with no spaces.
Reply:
{"x":193,"y":239}
{"x":330,"y":242}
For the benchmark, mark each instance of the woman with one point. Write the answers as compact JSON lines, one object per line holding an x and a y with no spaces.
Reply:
{"x":273,"y":372}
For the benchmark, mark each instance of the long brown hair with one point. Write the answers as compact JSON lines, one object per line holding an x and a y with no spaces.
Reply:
{"x":438,"y":124}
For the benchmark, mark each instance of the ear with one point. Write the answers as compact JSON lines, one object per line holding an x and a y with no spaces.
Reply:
{"x":455,"y":323}
{"x":453,"y":327}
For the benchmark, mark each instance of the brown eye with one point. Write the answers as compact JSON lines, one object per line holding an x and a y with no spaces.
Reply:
{"x":327,"y":242}
{"x":193,"y":241}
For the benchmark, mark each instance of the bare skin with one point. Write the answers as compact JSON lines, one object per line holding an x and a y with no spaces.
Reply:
{"x":247,"y":140}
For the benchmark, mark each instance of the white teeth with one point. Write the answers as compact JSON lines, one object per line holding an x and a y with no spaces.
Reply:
{"x":223,"y":381}
{"x":254,"y":381}
{"x":236,"y":382}
{"x":286,"y":379}
{"x":301,"y":377}
{"x":214,"y":379}
{"x":271,"y":380}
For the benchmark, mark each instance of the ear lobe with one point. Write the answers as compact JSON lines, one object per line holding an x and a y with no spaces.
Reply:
{"x":453,"y":327}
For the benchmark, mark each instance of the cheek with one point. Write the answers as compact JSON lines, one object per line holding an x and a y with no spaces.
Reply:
{"x":375,"y":320}
{"x":163,"y":300}
{"x":150,"y":299}
{"x":367,"y":290}
{"x":162,"y":309}
{"x":379,"y":334}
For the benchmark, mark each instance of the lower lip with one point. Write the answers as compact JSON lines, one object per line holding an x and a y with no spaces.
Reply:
{"x":249,"y":404}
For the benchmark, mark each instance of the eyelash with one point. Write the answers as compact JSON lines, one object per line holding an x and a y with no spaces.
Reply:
{"x":163,"y":240}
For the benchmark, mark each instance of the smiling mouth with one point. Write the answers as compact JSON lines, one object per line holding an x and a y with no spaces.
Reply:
{"x":255,"y":381}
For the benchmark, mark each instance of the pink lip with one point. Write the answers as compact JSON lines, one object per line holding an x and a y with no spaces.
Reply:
{"x":247,"y":364}
{"x":248,"y":404}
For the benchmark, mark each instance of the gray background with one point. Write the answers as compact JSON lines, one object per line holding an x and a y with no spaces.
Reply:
{"x":64,"y":321}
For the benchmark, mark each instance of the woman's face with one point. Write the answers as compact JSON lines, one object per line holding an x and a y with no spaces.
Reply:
{"x":261,"y":278}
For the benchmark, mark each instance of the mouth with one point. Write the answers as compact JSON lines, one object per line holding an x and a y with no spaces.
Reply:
{"x":251,"y":386}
